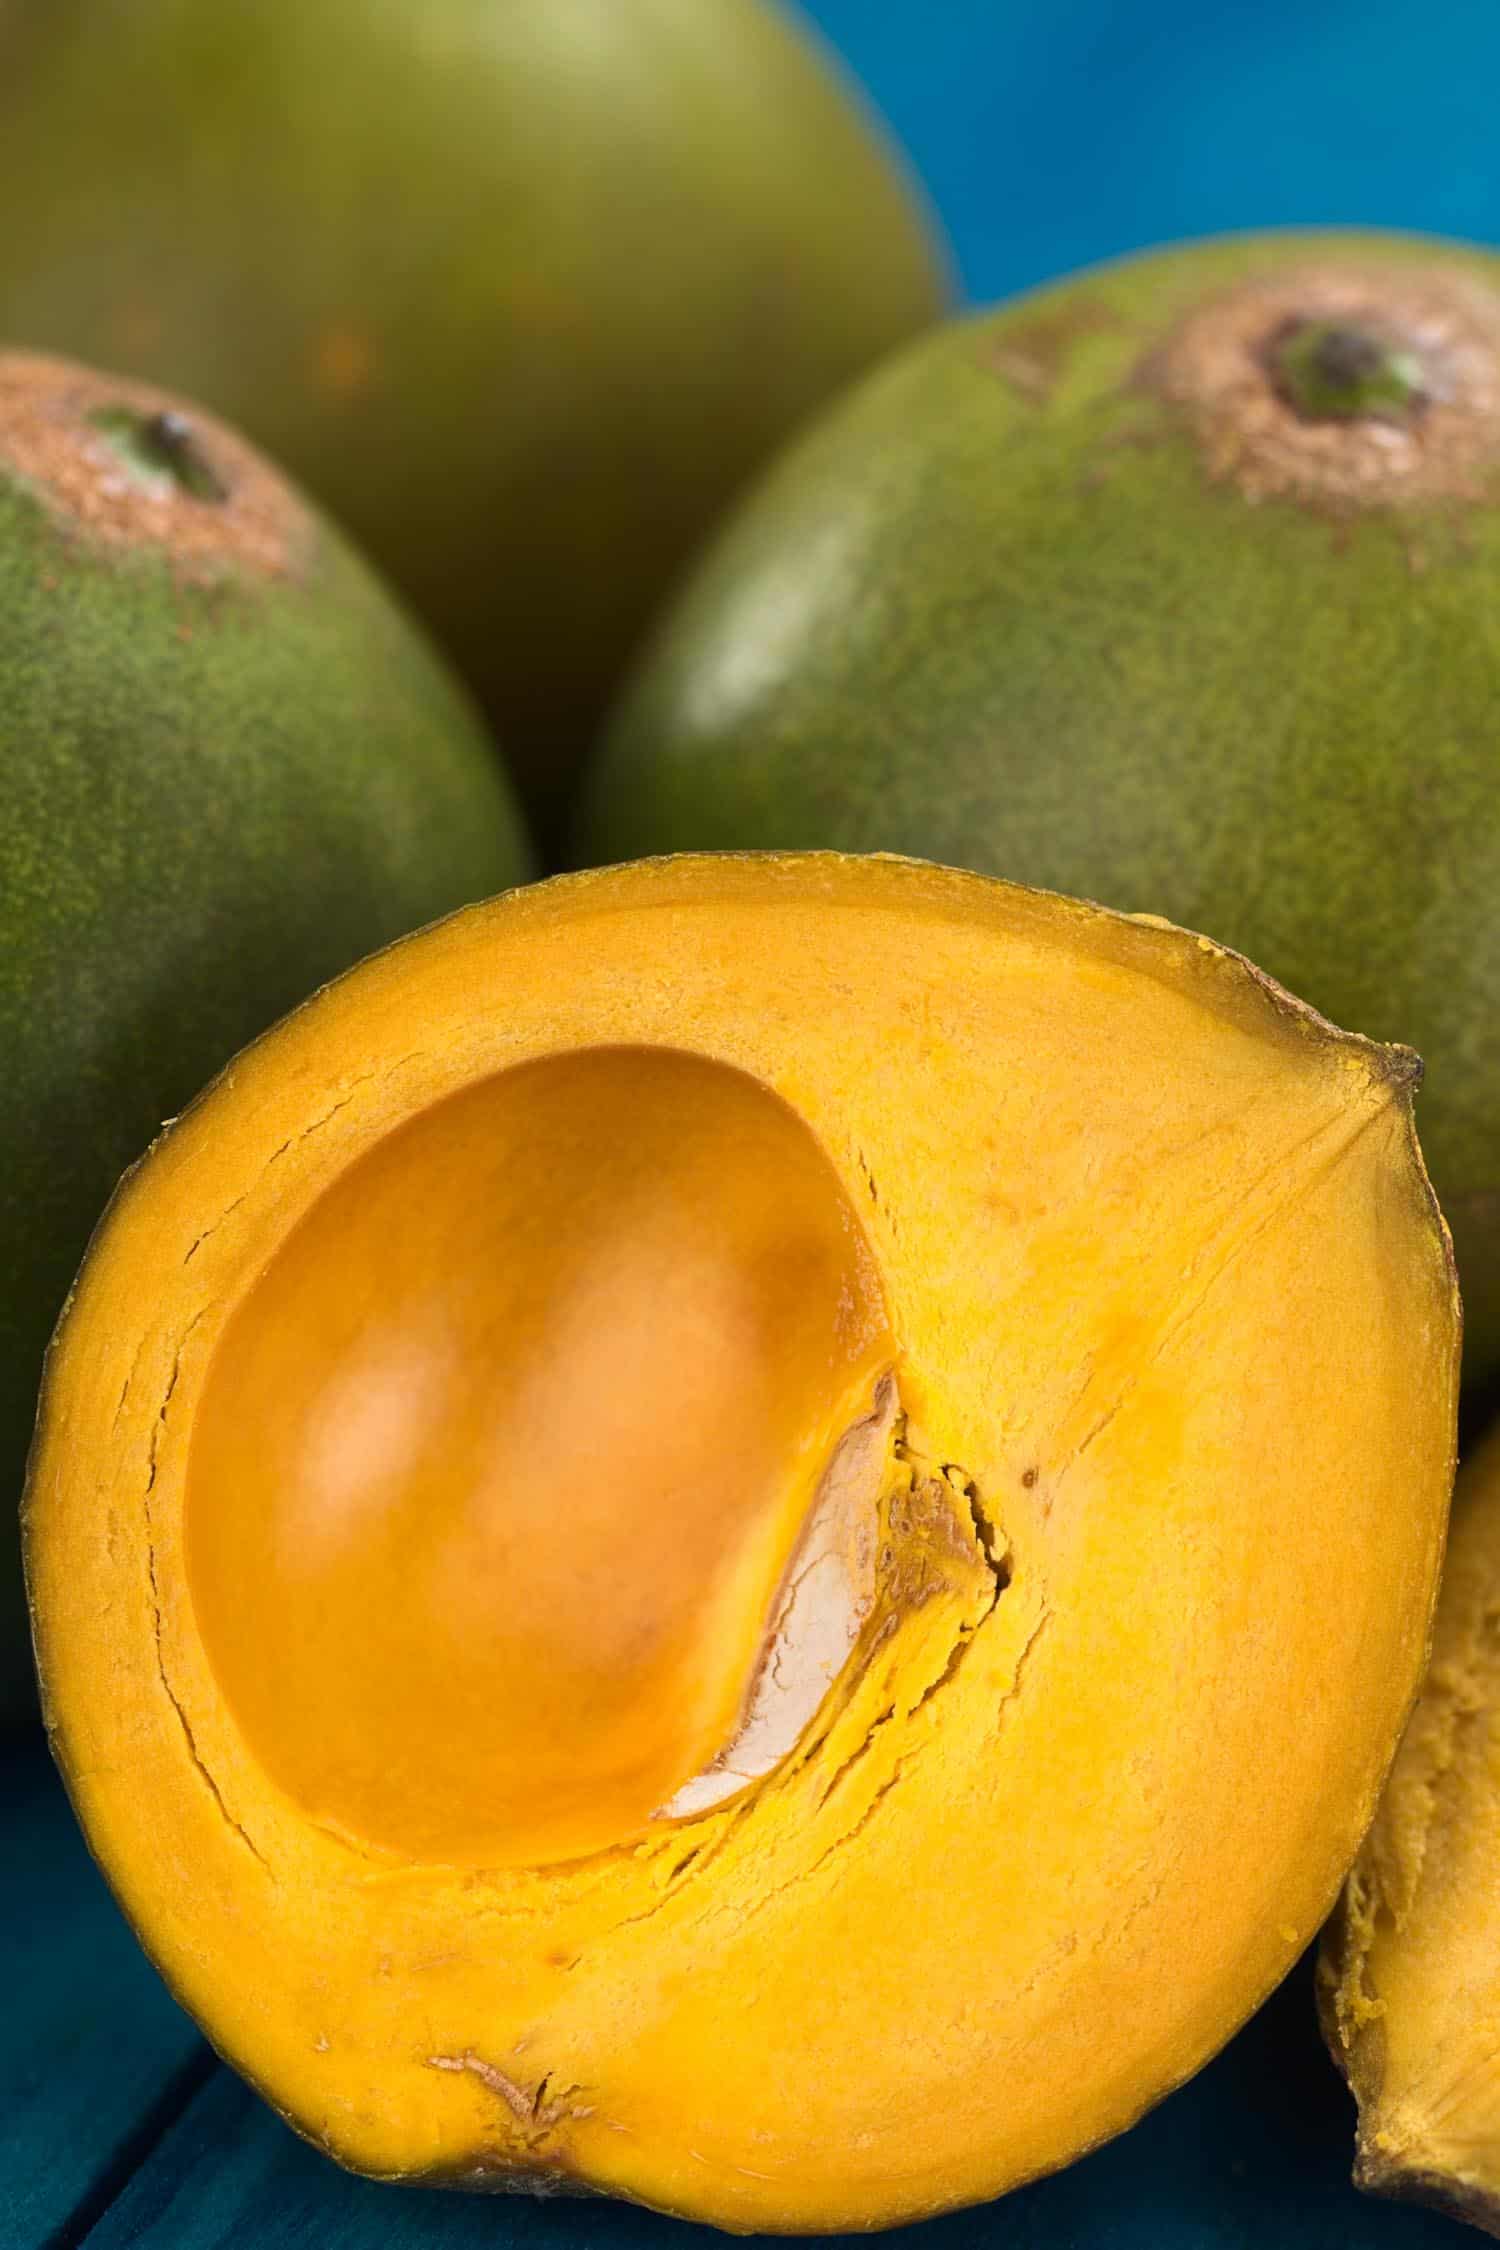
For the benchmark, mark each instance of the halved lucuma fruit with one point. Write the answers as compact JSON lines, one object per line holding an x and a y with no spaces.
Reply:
{"x":749,"y":1532}
{"x":1409,"y":1980}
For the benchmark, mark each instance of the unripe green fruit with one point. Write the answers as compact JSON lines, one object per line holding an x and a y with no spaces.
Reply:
{"x":521,"y":289}
{"x":232,"y":766}
{"x":1177,"y":586}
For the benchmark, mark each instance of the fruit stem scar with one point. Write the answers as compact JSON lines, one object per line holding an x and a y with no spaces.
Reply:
{"x":159,"y":445}
{"x":1338,"y":370}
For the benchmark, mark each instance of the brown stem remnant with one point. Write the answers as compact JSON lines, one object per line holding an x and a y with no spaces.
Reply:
{"x":126,"y":466}
{"x":1342,"y":385}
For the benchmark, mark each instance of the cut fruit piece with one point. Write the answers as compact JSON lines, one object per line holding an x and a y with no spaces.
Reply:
{"x":1409,"y":1981}
{"x":684,"y":1539}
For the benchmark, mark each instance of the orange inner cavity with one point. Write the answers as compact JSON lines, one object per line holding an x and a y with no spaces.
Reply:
{"x":499,"y":1465}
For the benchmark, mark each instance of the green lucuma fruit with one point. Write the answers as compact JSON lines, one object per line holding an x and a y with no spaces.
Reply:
{"x":522,"y":289}
{"x":232,"y":766}
{"x":1176,"y":585}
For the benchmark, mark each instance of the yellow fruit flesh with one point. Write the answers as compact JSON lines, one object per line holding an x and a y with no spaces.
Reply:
{"x":1172,"y":1325}
{"x":499,"y":1465}
{"x":1411,"y":1969}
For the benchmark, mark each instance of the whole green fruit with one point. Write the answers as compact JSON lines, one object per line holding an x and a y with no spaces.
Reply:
{"x":521,"y":289}
{"x":232,"y":766}
{"x":1178,"y":586}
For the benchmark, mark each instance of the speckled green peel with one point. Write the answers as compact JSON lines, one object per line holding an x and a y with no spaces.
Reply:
{"x":522,"y":289}
{"x":1065,"y":593}
{"x":223,"y":785}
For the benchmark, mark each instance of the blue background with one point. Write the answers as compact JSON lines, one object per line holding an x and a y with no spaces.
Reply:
{"x":1051,"y":133}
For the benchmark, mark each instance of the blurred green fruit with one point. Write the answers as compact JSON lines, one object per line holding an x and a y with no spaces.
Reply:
{"x":521,"y":289}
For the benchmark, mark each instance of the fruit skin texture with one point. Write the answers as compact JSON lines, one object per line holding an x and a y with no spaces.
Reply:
{"x":1408,"y":1981}
{"x":224,"y":782}
{"x":999,"y":608}
{"x":520,"y":291}
{"x":1176,"y":1353}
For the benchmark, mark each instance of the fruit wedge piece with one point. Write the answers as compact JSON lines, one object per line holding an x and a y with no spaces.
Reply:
{"x":1410,"y":1973}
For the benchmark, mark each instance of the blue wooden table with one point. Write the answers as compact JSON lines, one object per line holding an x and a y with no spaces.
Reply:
{"x":1050,"y":133}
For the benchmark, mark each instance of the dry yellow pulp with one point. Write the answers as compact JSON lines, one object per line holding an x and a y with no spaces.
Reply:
{"x":1410,"y":1973}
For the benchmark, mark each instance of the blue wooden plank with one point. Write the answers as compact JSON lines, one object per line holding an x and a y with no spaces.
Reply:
{"x":95,"y":2059}
{"x":1255,"y":2151}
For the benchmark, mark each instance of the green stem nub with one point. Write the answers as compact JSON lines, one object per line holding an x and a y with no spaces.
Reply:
{"x":1340,"y":371}
{"x":161,"y":445}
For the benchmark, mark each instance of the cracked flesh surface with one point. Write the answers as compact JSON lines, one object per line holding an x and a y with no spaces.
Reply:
{"x":500,"y":1464}
{"x":1174,"y":1338}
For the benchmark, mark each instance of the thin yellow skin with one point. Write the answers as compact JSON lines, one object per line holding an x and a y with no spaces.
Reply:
{"x":1167,"y":1279}
{"x":1410,"y":1974}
